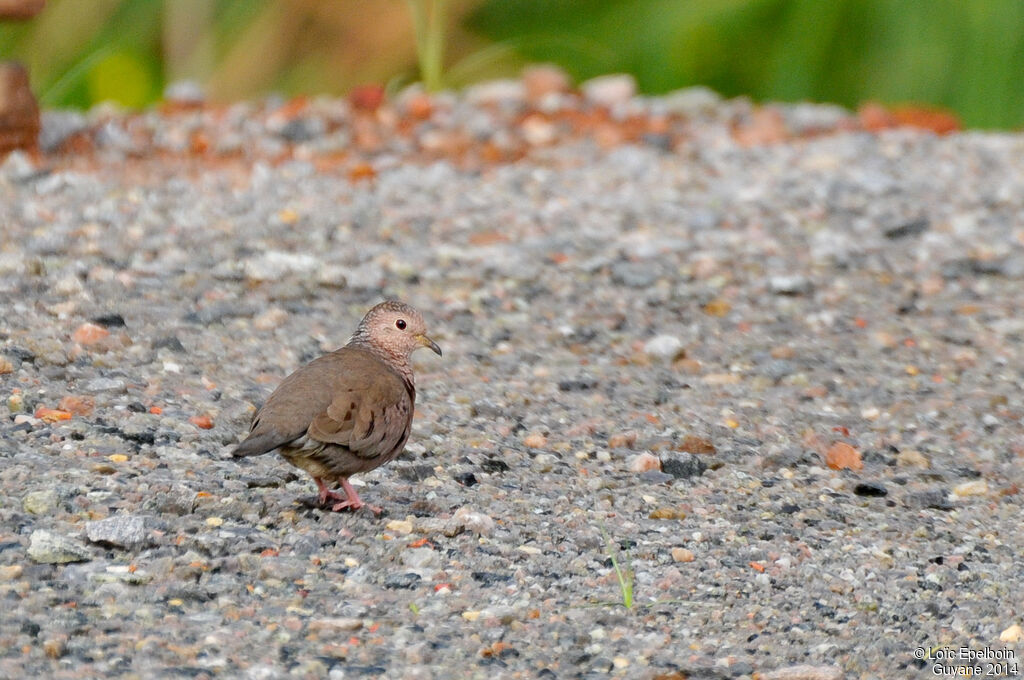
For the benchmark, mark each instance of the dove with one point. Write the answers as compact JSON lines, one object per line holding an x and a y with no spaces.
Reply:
{"x":348,"y":411}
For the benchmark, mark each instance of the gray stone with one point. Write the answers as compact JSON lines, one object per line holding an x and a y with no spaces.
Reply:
{"x":419,"y":558}
{"x":485,"y":408}
{"x":47,"y":547}
{"x":122,"y":531}
{"x":109,"y":385}
{"x":58,"y":127}
{"x":276,"y":265}
{"x":934,"y":499}
{"x":634,"y":274}
{"x":777,"y":369}
{"x":185,"y":92}
{"x":47,"y":351}
{"x":795,"y":284}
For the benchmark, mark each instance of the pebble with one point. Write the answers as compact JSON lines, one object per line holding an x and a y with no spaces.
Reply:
{"x":401,"y":526}
{"x":105,"y":385}
{"x":538,"y":132}
{"x":543,"y":80}
{"x":535,"y":441}
{"x":496,"y":92}
{"x":270,"y":319}
{"x":621,"y":440}
{"x":59,"y":126}
{"x":871,"y":489}
{"x":16,"y":402}
{"x":1012,"y":634}
{"x":937,"y":499}
{"x":122,"y":531}
{"x":664,"y":347}
{"x":634,"y":274}
{"x":682,"y":465}
{"x":610,"y":90}
{"x":334,"y":625}
{"x":842,"y":456}
{"x":794,"y":284}
{"x":977,"y":487}
{"x":911,"y":458}
{"x":89,"y":334}
{"x":467,"y":519}
{"x":47,"y":351}
{"x":41,"y":502}
{"x":188,"y":92}
{"x":682,"y":555}
{"x":692,"y":101}
{"x":276,"y":265}
{"x":47,"y":547}
{"x":643,"y":462}
{"x":420,"y":558}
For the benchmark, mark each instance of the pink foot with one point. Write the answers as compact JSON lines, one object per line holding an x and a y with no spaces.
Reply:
{"x":352,"y":500}
{"x":325,"y":493}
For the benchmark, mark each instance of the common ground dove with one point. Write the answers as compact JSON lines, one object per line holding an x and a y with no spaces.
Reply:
{"x":348,"y":411}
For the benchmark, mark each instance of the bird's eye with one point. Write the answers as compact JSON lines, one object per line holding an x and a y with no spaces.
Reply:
{"x":400,"y":324}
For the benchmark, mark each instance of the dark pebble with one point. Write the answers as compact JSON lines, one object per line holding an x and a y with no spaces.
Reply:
{"x":655,"y":477}
{"x":301,"y":130}
{"x":682,"y":465}
{"x":658,"y":141}
{"x":490,"y":578}
{"x":577,"y":384}
{"x":263,"y":482}
{"x":912,"y":228}
{"x":19,"y":353}
{"x":871,"y":489}
{"x":110,"y":321}
{"x":405,"y":580}
{"x":971,"y":266}
{"x":936,"y":499}
{"x":372,"y":671}
{"x":170,"y":342}
{"x":494,"y":465}
{"x":465,"y":478}
{"x":415,"y":473}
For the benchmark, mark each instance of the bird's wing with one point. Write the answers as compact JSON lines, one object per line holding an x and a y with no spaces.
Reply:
{"x":371,"y":418}
{"x":301,"y":397}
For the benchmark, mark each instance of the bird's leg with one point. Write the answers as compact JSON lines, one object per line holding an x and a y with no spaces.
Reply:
{"x":325,"y":493}
{"x":352,"y":499}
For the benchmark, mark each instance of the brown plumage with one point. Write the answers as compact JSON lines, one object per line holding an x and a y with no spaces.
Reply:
{"x":348,"y":411}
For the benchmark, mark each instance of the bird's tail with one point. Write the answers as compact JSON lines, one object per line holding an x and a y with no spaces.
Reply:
{"x":256,"y":445}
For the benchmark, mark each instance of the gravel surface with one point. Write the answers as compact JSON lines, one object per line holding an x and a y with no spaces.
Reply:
{"x":662,"y":337}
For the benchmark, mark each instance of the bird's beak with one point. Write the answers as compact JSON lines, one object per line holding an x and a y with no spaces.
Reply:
{"x":427,"y":342}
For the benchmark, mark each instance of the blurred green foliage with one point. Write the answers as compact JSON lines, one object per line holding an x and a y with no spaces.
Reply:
{"x":966,"y":55}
